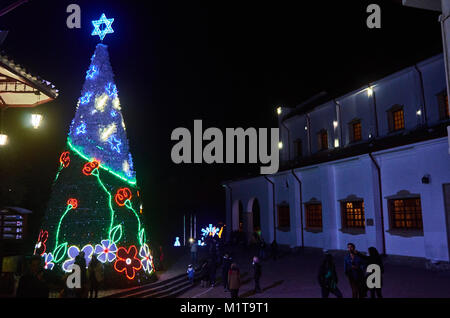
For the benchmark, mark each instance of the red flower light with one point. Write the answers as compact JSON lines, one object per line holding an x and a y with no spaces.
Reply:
{"x":122,"y":195}
{"x":73,"y":203}
{"x":40,"y":247}
{"x":127,"y":262}
{"x":90,"y":166}
{"x":65,"y":159}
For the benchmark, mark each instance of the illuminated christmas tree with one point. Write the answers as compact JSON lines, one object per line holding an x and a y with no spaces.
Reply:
{"x":95,"y":204}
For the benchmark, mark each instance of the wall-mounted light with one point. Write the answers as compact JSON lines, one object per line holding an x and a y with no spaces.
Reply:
{"x":369,"y":91}
{"x":36,"y":120}
{"x":370,"y":136}
{"x":279,"y":110}
{"x":280,"y":145}
{"x":336,"y":143}
{"x":3,"y":139}
{"x":306,"y":127}
{"x":335,"y":124}
{"x":419,"y":112}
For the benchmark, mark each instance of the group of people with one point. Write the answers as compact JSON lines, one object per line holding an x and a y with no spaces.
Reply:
{"x":355,"y":264}
{"x":217,"y":258}
{"x":33,"y":284}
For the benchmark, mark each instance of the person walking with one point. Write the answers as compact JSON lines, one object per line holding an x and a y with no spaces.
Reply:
{"x":256,"y":273}
{"x":374,"y":258}
{"x":95,"y":274}
{"x":234,"y":280}
{"x":327,"y":277}
{"x":274,"y":250}
{"x":190,"y":273}
{"x":226,"y":265}
{"x":161,"y":258}
{"x":81,"y":262}
{"x":32,"y":284}
{"x":194,"y":251}
{"x":212,"y":272}
{"x":262,"y":249}
{"x":204,"y":274}
{"x":353,"y":268}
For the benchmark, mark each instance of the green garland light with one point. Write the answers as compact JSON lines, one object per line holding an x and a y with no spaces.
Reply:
{"x":79,"y":152}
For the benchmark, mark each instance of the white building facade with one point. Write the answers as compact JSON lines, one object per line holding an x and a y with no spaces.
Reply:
{"x":371,"y":167}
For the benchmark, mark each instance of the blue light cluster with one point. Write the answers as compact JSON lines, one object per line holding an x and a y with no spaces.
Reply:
{"x":115,"y":143}
{"x":91,"y":72}
{"x":111,"y":89}
{"x":86,"y":98}
{"x":81,"y":129}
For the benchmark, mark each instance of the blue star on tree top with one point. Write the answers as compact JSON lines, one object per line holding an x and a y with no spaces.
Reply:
{"x":102,"y":32}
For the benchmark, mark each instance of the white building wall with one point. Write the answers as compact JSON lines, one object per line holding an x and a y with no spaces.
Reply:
{"x":401,"y":168}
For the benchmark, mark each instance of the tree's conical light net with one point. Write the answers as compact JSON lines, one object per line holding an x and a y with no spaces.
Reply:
{"x":95,"y":205}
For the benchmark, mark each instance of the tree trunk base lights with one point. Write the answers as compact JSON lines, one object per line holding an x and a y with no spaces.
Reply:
{"x":95,"y":201}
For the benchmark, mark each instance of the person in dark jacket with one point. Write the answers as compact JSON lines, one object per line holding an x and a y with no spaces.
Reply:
{"x":204,"y":274}
{"x":353,"y":268}
{"x":328,"y":278}
{"x":81,"y":262}
{"x":226,"y":265}
{"x":234,"y":280}
{"x":274,"y":250}
{"x":257,"y":273}
{"x":32,"y":284}
{"x":262,"y":249}
{"x":374,"y":258}
{"x":212,"y":271}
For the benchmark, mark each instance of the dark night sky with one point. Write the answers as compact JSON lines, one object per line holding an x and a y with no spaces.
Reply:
{"x":224,"y":62}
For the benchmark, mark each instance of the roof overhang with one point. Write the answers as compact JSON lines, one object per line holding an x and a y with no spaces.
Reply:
{"x":21,"y":89}
{"x":433,"y":5}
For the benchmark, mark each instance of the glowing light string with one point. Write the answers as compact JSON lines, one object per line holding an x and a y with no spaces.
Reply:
{"x":79,"y":152}
{"x":112,"y":212}
{"x":71,"y":205}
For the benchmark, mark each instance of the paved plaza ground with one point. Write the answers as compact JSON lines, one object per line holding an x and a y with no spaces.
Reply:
{"x":294,"y":275}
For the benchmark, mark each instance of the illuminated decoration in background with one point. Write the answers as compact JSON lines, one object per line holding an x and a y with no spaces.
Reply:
{"x":91,"y":72}
{"x":146,"y":260}
{"x":115,"y":144}
{"x":73,"y":252}
{"x":127,"y":261}
{"x":106,"y":217}
{"x":40,"y":247}
{"x":64,"y":159}
{"x":90,"y":167}
{"x":86,"y":98}
{"x":81,"y":129}
{"x":48,"y":261}
{"x":106,"y":251}
{"x":122,"y":196}
{"x":210,"y":231}
{"x":177,"y":242}
{"x":101,"y":30}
